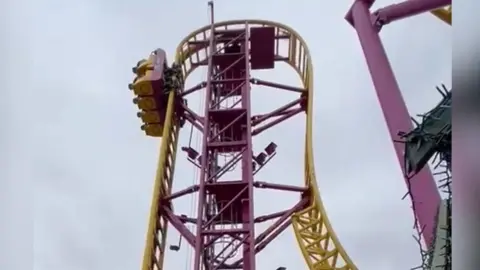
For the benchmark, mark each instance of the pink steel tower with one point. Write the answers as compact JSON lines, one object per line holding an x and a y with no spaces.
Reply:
{"x":226,"y":131}
{"x":424,"y":192}
{"x":225,"y":206}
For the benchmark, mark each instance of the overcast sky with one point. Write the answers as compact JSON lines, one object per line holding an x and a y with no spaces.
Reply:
{"x":74,"y":140}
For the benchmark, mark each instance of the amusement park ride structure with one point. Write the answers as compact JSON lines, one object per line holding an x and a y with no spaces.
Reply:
{"x":232,"y":51}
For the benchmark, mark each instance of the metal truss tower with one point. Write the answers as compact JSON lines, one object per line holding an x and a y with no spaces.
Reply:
{"x":232,"y":51}
{"x":224,"y":236}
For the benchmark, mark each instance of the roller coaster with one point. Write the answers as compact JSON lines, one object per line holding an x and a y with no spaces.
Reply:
{"x":232,"y":52}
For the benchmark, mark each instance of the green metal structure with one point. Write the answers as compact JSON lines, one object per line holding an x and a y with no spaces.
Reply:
{"x":431,"y":141}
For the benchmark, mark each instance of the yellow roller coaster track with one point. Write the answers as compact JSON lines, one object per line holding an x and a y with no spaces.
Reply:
{"x":317,"y":240}
{"x":318,"y":243}
{"x":444,"y":14}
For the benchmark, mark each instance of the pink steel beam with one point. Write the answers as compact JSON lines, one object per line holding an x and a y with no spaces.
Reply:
{"x":425,"y":196}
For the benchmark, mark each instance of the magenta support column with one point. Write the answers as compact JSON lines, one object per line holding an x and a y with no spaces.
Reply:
{"x":424,"y":191}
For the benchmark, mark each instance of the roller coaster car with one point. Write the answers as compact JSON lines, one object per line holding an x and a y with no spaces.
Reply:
{"x":150,"y":74}
{"x":153,"y":130}
{"x":146,"y":103}
{"x":153,"y":122}
{"x":153,"y":83}
{"x":150,"y":117}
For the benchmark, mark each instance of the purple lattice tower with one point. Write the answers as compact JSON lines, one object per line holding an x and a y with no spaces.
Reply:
{"x":226,"y":130}
{"x":225,"y":213}
{"x":424,"y":192}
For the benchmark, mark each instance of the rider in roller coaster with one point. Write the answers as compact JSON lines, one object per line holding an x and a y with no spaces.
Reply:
{"x":172,"y":80}
{"x":172,"y":76}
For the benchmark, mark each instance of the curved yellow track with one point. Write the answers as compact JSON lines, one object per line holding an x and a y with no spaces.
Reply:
{"x":444,"y":14}
{"x":318,"y":243}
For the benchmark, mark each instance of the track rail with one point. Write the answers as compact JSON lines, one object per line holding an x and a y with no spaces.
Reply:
{"x":318,"y":243}
{"x":444,"y":14}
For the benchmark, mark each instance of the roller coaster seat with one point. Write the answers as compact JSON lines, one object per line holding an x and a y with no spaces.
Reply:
{"x":154,"y":81}
{"x":153,"y":130}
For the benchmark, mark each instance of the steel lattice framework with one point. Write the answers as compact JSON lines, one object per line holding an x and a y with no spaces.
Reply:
{"x":431,"y":139}
{"x":232,"y":51}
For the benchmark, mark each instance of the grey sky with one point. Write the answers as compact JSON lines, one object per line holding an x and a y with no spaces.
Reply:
{"x":79,"y":143}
